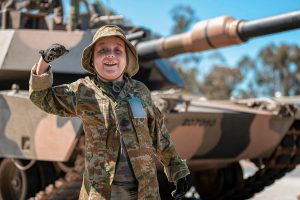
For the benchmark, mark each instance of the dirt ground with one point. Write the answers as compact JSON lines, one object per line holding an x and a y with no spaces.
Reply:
{"x":287,"y":188}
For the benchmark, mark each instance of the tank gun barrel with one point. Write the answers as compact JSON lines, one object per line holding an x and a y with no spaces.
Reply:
{"x":269,"y":25}
{"x":215,"y":33}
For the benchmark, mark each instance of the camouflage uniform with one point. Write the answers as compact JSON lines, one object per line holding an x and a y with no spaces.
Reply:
{"x":106,"y":118}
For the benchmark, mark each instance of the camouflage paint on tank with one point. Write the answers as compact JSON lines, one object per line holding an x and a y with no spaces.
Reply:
{"x":206,"y":131}
{"x":29,"y":133}
{"x":26,"y":47}
{"x":8,"y":147}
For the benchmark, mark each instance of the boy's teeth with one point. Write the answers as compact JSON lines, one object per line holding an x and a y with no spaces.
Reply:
{"x":110,"y":63}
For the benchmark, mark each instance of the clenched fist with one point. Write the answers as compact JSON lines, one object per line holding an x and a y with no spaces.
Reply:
{"x":53,"y":52}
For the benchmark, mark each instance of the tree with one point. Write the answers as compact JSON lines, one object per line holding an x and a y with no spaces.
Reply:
{"x":220,"y":82}
{"x":190,"y":79}
{"x":186,"y":65}
{"x":283,"y":61}
{"x":246,"y":88}
{"x":274,"y":71}
{"x":183,"y":16}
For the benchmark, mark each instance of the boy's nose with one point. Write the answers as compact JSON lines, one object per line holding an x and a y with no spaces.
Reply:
{"x":110,"y":55}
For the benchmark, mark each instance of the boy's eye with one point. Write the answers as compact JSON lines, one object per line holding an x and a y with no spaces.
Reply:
{"x":103,"y":51}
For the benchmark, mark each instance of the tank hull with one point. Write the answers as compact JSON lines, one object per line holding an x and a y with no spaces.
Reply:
{"x":202,"y":133}
{"x":29,"y":133}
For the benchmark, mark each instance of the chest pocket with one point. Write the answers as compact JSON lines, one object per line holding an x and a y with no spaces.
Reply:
{"x":141,"y":127}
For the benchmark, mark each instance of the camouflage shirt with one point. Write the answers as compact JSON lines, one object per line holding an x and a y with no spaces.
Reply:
{"x":105,"y":118}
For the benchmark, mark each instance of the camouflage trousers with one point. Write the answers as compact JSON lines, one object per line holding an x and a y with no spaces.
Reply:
{"x":124,"y":191}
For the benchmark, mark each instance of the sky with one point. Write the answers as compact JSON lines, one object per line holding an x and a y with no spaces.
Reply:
{"x":155,"y":15}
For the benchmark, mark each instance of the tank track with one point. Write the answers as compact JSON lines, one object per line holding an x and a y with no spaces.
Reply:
{"x":283,"y":160}
{"x":68,"y":187}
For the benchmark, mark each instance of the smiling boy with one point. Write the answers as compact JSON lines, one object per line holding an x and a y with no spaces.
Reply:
{"x":123,"y":128}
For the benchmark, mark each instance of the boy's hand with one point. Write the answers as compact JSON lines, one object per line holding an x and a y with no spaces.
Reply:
{"x":182,"y":186}
{"x":53,"y":52}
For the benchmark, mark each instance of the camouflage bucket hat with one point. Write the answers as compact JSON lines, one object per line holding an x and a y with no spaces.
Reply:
{"x":109,"y":31}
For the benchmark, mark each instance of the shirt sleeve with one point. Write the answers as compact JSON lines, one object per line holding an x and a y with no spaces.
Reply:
{"x":174,"y":167}
{"x":59,"y":100}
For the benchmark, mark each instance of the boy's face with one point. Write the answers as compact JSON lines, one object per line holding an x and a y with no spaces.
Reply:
{"x":110,"y":58}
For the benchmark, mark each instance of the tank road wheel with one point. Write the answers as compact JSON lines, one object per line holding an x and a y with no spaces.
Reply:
{"x":16,"y":184}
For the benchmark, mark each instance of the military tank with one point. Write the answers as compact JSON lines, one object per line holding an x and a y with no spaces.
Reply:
{"x":41,"y":155}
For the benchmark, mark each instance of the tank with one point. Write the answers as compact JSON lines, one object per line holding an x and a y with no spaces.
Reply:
{"x":41,"y":155}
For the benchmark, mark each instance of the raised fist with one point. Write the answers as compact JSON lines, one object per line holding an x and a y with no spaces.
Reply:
{"x":53,"y":52}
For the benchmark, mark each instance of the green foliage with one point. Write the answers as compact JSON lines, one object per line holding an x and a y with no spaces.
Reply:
{"x":183,"y":16}
{"x":101,"y":7}
{"x":220,"y":82}
{"x":276,"y":69}
{"x":190,"y":78}
{"x":280,"y":60}
{"x":248,"y":87}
